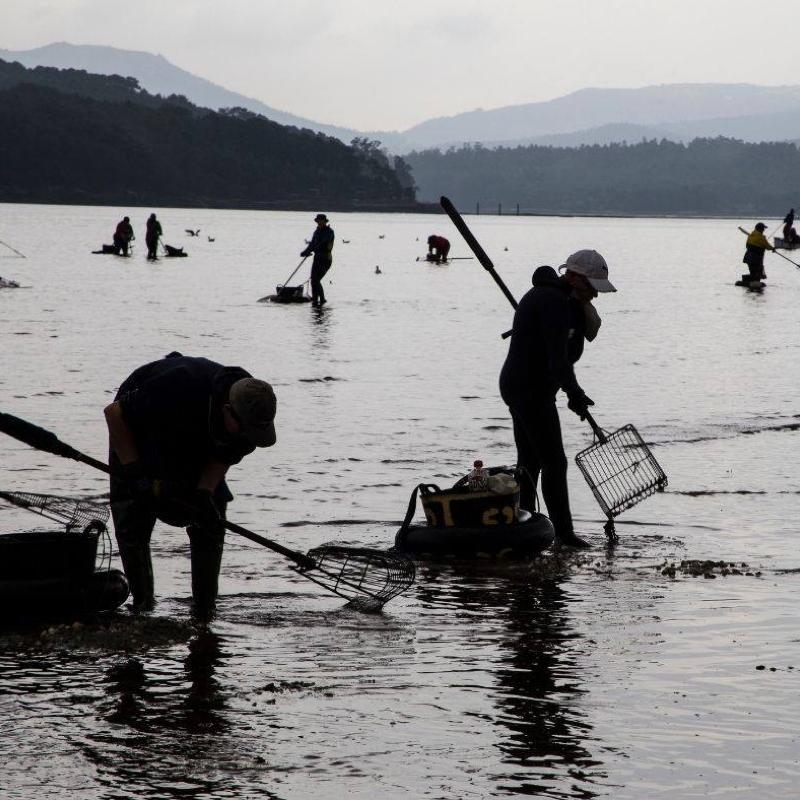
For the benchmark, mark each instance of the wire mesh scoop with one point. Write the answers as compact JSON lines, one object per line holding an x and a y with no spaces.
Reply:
{"x":71,"y":512}
{"x":365,"y":577}
{"x":620,"y":470}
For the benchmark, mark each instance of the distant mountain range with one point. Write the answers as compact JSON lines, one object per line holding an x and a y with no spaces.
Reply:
{"x":158,"y":76}
{"x":679,"y":112}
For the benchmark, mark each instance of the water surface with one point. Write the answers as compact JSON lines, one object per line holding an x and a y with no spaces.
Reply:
{"x":586,"y":676}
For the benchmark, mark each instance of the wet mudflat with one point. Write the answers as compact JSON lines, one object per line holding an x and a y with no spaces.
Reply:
{"x":630,"y":673}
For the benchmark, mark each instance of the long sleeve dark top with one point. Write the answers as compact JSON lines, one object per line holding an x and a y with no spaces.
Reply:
{"x":321,"y":245}
{"x":174,"y":410}
{"x":539,"y":360}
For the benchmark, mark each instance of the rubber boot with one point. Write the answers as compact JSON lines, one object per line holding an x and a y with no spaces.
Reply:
{"x":206,"y":557}
{"x":138,"y":567}
{"x":570,"y":539}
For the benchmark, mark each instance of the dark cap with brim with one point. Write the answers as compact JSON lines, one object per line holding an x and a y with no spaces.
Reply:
{"x":255,"y":405}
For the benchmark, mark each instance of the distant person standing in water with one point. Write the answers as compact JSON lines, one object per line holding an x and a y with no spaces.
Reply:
{"x":152,"y":235}
{"x":123,"y":235}
{"x":756,"y":246}
{"x":321,"y":245}
{"x":789,"y":233}
{"x":438,"y":248}
{"x":788,"y":221}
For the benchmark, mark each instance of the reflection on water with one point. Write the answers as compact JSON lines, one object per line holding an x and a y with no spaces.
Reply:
{"x":162,"y":721}
{"x":543,"y":731}
{"x":592,"y":675}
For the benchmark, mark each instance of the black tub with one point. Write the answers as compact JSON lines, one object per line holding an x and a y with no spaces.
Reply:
{"x":531,"y":534}
{"x":61,"y":599}
{"x":43,"y":555}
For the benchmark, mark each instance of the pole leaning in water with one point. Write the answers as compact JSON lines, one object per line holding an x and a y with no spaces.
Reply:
{"x":475,"y":246}
{"x":367,"y":578}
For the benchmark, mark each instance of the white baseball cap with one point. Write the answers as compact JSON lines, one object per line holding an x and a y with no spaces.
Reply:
{"x":593,"y":267}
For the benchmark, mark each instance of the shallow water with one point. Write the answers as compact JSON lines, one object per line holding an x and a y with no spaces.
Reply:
{"x":587,"y":676}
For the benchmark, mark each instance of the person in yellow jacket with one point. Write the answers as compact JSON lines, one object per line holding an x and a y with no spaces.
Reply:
{"x":756,"y":245}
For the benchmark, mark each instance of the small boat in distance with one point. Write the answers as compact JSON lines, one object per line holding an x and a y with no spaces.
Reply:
{"x":782,"y":244}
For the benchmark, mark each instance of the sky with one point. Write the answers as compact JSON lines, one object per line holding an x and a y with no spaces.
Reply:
{"x":378,"y":65}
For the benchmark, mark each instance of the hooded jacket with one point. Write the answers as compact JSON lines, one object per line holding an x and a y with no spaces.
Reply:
{"x":538,"y":363}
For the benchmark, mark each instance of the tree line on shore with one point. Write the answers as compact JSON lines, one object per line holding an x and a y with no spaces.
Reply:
{"x":73,"y":137}
{"x":718,"y":176}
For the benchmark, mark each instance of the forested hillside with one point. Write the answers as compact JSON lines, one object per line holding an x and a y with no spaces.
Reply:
{"x":705,"y":177}
{"x":71,"y":137}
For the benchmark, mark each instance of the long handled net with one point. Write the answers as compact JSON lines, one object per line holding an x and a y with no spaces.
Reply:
{"x":621,"y":471}
{"x":67,"y":510}
{"x":367,"y":578}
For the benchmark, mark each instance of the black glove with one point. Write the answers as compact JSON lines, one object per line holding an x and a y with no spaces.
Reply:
{"x":205,"y":513}
{"x":137,"y":483}
{"x":305,"y":253}
{"x":579,"y":404}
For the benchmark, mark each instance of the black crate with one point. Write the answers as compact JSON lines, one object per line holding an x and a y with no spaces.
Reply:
{"x":38,"y":555}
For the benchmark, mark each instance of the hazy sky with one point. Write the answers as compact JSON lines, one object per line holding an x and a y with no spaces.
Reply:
{"x":384,"y":65}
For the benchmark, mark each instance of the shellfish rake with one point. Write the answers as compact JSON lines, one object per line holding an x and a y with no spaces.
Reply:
{"x":367,"y":578}
{"x":620,"y":469}
{"x":72,"y":513}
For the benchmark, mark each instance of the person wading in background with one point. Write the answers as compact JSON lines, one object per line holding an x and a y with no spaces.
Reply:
{"x":123,"y":235}
{"x":321,"y":245}
{"x":175,"y":427}
{"x":550,"y":323}
{"x":790,"y":236}
{"x":756,"y":245}
{"x":438,"y":248}
{"x":152,"y":234}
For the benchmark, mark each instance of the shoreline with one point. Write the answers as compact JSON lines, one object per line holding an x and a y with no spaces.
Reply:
{"x":372,"y":208}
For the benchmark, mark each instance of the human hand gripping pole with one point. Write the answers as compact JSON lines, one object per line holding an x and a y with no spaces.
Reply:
{"x":619,"y":467}
{"x":367,"y":578}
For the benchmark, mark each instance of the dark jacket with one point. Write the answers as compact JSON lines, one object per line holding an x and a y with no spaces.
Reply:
{"x":174,"y":409}
{"x":540,"y":357}
{"x":321,"y":245}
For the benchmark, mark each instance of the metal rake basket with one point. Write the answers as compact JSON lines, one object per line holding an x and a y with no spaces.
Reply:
{"x":367,"y":578}
{"x":73,"y":513}
{"x":620,"y":469}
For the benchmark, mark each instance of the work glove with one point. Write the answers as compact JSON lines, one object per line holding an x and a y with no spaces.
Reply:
{"x":138,"y":484}
{"x":205,"y":513}
{"x":579,"y":404}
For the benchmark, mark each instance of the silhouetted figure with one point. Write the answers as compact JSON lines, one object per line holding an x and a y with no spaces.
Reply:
{"x":152,"y":235}
{"x":547,"y":338}
{"x":175,"y":427}
{"x":321,"y":245}
{"x":123,"y":235}
{"x":755,"y":248}
{"x":438,"y":248}
{"x":790,"y":236}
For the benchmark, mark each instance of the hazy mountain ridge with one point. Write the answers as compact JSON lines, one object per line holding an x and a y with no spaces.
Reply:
{"x":158,"y":76}
{"x":672,"y":104}
{"x":588,"y":116}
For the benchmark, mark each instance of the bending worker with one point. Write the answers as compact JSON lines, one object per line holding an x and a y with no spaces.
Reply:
{"x":756,"y":245}
{"x":123,"y":235}
{"x":175,"y":427}
{"x":438,"y":248}
{"x":321,"y":246}
{"x":550,"y":325}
